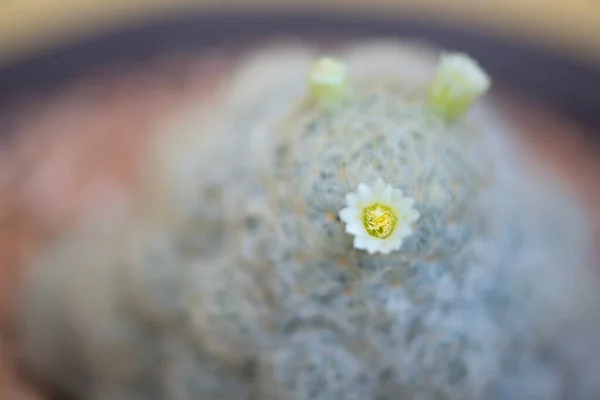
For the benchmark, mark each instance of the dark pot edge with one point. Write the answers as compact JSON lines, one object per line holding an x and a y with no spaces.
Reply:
{"x":569,"y":86}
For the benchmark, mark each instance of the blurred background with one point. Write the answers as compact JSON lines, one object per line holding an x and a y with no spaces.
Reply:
{"x":83,"y":82}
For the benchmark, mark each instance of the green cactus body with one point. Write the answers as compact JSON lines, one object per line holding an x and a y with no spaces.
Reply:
{"x":237,"y":277}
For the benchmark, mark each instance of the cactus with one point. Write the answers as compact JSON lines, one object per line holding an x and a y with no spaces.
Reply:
{"x":359,"y":226}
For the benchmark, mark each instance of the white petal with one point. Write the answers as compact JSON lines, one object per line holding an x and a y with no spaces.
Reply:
{"x":397,"y":194}
{"x":360,"y":243}
{"x":349,"y":215}
{"x":396,"y":243}
{"x":354,"y":229}
{"x":396,"y":234}
{"x":379,"y":186}
{"x":404,"y":231}
{"x":364,"y":191}
{"x":371,"y":249}
{"x":412,"y":216}
{"x":390,"y":245}
{"x":384,"y":246}
{"x":351,"y":199}
{"x":387,"y":195}
{"x":401,"y":232}
{"x":397,"y":209}
{"x":372,"y":245}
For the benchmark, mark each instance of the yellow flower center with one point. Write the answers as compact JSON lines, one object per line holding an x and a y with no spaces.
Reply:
{"x":379,"y":220}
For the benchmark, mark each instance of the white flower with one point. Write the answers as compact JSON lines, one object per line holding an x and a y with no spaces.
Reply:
{"x":379,"y":217}
{"x":458,"y":83}
{"x":327,"y":78}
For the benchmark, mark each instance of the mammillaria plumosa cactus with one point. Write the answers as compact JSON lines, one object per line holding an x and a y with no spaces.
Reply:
{"x":353,"y":226}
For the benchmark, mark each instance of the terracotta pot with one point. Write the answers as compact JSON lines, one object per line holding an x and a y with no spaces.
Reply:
{"x":81,"y":85}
